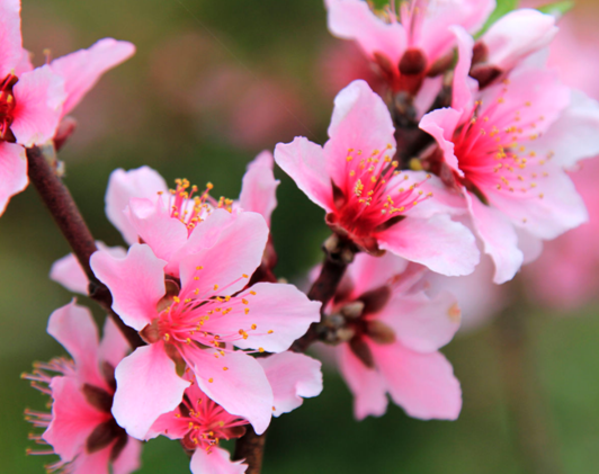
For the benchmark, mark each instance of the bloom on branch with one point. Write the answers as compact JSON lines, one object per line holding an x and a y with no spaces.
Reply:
{"x":503,"y":149}
{"x":411,"y":44}
{"x":33,"y":101}
{"x":367,"y":199}
{"x":391,"y":335}
{"x":195,"y":320}
{"x":201,"y":423}
{"x":81,"y":428}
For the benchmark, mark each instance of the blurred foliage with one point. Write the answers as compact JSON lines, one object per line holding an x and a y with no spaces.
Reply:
{"x":135,"y":123}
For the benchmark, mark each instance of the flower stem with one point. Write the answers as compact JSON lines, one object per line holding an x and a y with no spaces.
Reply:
{"x":62,"y":207}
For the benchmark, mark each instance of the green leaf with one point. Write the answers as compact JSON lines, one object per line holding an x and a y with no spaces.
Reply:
{"x":502,"y":9}
{"x":557,"y":9}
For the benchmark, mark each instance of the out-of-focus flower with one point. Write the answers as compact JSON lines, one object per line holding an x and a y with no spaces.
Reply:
{"x":411,"y":44}
{"x":369,"y":201}
{"x":81,"y":428}
{"x":393,"y":332}
{"x":505,"y":150}
{"x":565,"y":277}
{"x":247,"y":109}
{"x":195,"y":315}
{"x":201,"y":423}
{"x":33,"y":101}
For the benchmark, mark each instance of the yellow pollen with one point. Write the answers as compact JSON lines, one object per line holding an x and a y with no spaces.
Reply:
{"x":210,"y":380}
{"x":254,"y":326}
{"x":260,"y":349}
{"x":270,"y":331}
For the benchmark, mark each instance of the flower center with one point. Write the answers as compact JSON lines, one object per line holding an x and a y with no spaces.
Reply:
{"x":7,"y":107}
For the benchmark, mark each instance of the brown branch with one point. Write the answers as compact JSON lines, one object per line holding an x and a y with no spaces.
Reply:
{"x":251,"y":448}
{"x":57,"y":198}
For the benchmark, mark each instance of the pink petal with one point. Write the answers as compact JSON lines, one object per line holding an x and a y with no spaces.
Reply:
{"x":442,"y":200}
{"x":292,"y":377}
{"x":24,"y":65}
{"x":114,"y":345}
{"x":368,"y":273}
{"x":123,"y":185}
{"x":422,"y":384}
{"x":422,"y":324}
{"x":217,"y":461}
{"x":367,"y":385}
{"x":74,"y":327}
{"x":136,"y":283}
{"x":360,"y":121}
{"x":258,"y":191}
{"x":155,"y":227}
{"x":463,"y":85}
{"x":517,"y":35}
{"x":68,"y":272}
{"x":441,"y":124}
{"x":499,"y":239}
{"x":438,"y":243}
{"x":94,"y":463}
{"x":276,"y":307}
{"x":353,"y":19}
{"x":13,"y":172}
{"x":241,"y":389}
{"x":130,"y":458}
{"x":73,"y":418}
{"x":559,"y":209}
{"x":82,"y":69}
{"x":147,"y":387}
{"x":39,"y":96}
{"x":573,"y":136}
{"x":226,"y":247}
{"x":436,"y":37}
{"x":305,"y":163}
{"x":171,"y":425}
{"x":10,"y":36}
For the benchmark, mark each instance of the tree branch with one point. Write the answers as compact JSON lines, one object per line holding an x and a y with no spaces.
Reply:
{"x":57,"y":198}
{"x":251,"y":448}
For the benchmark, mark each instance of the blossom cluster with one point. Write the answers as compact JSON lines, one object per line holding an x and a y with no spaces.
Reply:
{"x":463,"y":149}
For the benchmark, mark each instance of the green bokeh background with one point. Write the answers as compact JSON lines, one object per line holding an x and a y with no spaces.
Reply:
{"x":274,"y":38}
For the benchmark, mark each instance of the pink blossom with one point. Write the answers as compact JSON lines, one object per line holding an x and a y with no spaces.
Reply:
{"x":355,"y":179}
{"x":196,"y":318}
{"x":201,"y":423}
{"x":501,"y":148}
{"x":394,"y":332}
{"x":33,"y":101}
{"x":409,"y":44}
{"x":81,"y":428}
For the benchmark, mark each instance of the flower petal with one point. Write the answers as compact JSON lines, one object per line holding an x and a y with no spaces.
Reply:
{"x":82,"y":69}
{"x":438,"y":243}
{"x":441,"y":124}
{"x":422,"y":384}
{"x":130,"y":458}
{"x":421,"y":323}
{"x":281,"y":314}
{"x":499,"y":239}
{"x":39,"y":96}
{"x":241,"y":389}
{"x":361,"y":121}
{"x":136,"y":283}
{"x":147,"y":387}
{"x":10,"y":36}
{"x":74,"y":327}
{"x":225,"y":247}
{"x":13,"y":172}
{"x":367,"y":385}
{"x":353,"y":19}
{"x":369,"y":273}
{"x":292,"y":377}
{"x":305,"y":163}
{"x":258,"y":191}
{"x":123,"y":185}
{"x":73,"y":418}
{"x":217,"y":461}
{"x":91,"y":463}
{"x":113,"y":346}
